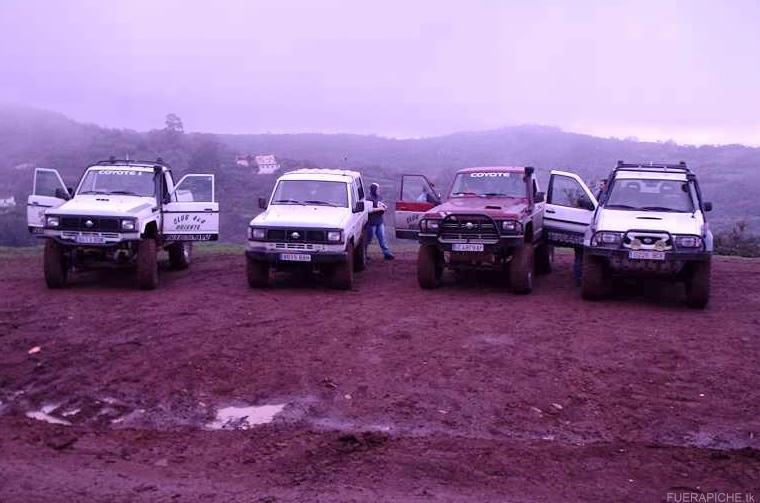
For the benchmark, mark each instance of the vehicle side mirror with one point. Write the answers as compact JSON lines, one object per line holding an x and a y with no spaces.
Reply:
{"x":262,"y":203}
{"x":585,"y":203}
{"x":540,"y":197}
{"x":359,"y":207}
{"x":166,"y":199}
{"x":62,"y":194}
{"x":708,"y":206}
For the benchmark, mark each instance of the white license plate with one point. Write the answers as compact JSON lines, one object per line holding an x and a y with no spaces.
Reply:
{"x":295,"y":257}
{"x":646,"y":255}
{"x":87,"y":239}
{"x":467,"y":247}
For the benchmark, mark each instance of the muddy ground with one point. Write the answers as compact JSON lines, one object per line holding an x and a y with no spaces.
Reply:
{"x":388,"y":392}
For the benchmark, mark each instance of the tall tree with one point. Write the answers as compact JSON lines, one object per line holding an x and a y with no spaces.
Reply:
{"x":174,"y":124}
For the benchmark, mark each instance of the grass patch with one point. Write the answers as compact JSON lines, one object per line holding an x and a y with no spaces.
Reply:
{"x":218,"y":249}
{"x":19,"y":251}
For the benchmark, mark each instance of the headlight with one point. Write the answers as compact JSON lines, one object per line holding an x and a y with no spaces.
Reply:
{"x":52,"y":221}
{"x":128,"y":225}
{"x":256,"y":233}
{"x":511,"y":226}
{"x":607,"y":238}
{"x":688,"y":242}
{"x":430,"y":225}
{"x":335,"y":236}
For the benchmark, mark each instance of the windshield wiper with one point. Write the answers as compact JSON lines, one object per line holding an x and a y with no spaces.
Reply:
{"x":623,"y":207}
{"x":464,"y":194}
{"x":496,"y":194}
{"x":321,"y":203}
{"x":288,"y":201}
{"x":660,"y":208}
{"x":124,"y":193}
{"x":94,"y":192}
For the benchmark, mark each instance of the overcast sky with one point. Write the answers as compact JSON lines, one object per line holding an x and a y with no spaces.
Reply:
{"x":687,"y":70}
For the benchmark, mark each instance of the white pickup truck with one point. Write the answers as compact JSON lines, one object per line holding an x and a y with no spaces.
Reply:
{"x":649,"y":221}
{"x":121,"y":213}
{"x":315,"y":219}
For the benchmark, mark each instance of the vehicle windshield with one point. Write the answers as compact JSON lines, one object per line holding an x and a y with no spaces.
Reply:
{"x":313,"y":192}
{"x":654,"y":195}
{"x":118,"y":181}
{"x":488,"y":183}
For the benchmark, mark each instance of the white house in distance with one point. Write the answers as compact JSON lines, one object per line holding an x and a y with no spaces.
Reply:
{"x":267,"y":164}
{"x":264,"y":164}
{"x":243,"y":161}
{"x":7,"y":203}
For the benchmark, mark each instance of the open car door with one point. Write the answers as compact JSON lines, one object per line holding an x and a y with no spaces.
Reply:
{"x":417,"y":195}
{"x":48,"y":191}
{"x":192,"y":214}
{"x":570,"y":206}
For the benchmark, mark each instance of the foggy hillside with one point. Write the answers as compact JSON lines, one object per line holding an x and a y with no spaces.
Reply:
{"x":730,"y":175}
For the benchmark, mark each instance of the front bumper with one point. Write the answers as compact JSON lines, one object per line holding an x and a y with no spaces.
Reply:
{"x":502,"y":246}
{"x":81,"y":239}
{"x":670,"y":256}
{"x":275,"y":257}
{"x":673,"y":262}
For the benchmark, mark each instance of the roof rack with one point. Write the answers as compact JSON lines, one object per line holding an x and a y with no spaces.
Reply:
{"x":652,"y":166}
{"x":111,"y":161}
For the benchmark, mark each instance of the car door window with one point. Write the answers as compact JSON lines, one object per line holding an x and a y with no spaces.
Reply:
{"x":567,"y":192}
{"x":48,"y":183}
{"x":416,"y":188}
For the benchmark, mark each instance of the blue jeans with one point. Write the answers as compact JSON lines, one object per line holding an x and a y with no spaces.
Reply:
{"x":379,"y":231}
{"x":578,"y":265}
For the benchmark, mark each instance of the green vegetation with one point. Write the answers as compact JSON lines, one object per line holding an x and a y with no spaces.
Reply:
{"x":736,"y":241}
{"x":218,"y":248}
{"x":19,"y":251}
{"x":730,"y":175}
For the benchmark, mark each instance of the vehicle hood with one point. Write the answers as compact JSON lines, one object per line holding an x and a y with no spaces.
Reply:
{"x":622,"y":220}
{"x":293,"y":215}
{"x":105,"y":205}
{"x":494,"y":207}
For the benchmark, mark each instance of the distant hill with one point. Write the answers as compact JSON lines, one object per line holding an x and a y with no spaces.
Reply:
{"x":730,"y":175}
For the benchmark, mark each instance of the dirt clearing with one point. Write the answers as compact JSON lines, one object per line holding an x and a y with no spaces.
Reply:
{"x":205,"y":390}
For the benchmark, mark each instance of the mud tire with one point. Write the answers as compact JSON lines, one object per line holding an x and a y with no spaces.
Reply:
{"x":429,"y":267}
{"x":257,"y":272}
{"x":595,"y":281}
{"x":698,"y":285}
{"x":55,"y":265}
{"x":544,"y":258}
{"x":521,"y":270}
{"x":360,"y":256}
{"x":342,"y":275}
{"x":147,"y":264}
{"x":180,"y":255}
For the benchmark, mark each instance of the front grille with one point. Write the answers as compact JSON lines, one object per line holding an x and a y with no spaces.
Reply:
{"x":97,"y":224}
{"x":469,"y":228}
{"x":297,"y":235}
{"x":647,"y":240}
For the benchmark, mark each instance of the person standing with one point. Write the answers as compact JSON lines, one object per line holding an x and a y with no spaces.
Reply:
{"x":376,"y":226}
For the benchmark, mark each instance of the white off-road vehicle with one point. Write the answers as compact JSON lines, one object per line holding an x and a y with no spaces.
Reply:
{"x":120,"y":215}
{"x":650,"y":221}
{"x":315,"y":219}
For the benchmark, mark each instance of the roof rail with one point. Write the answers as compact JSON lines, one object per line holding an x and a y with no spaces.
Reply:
{"x":131,"y":162}
{"x":652,"y":166}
